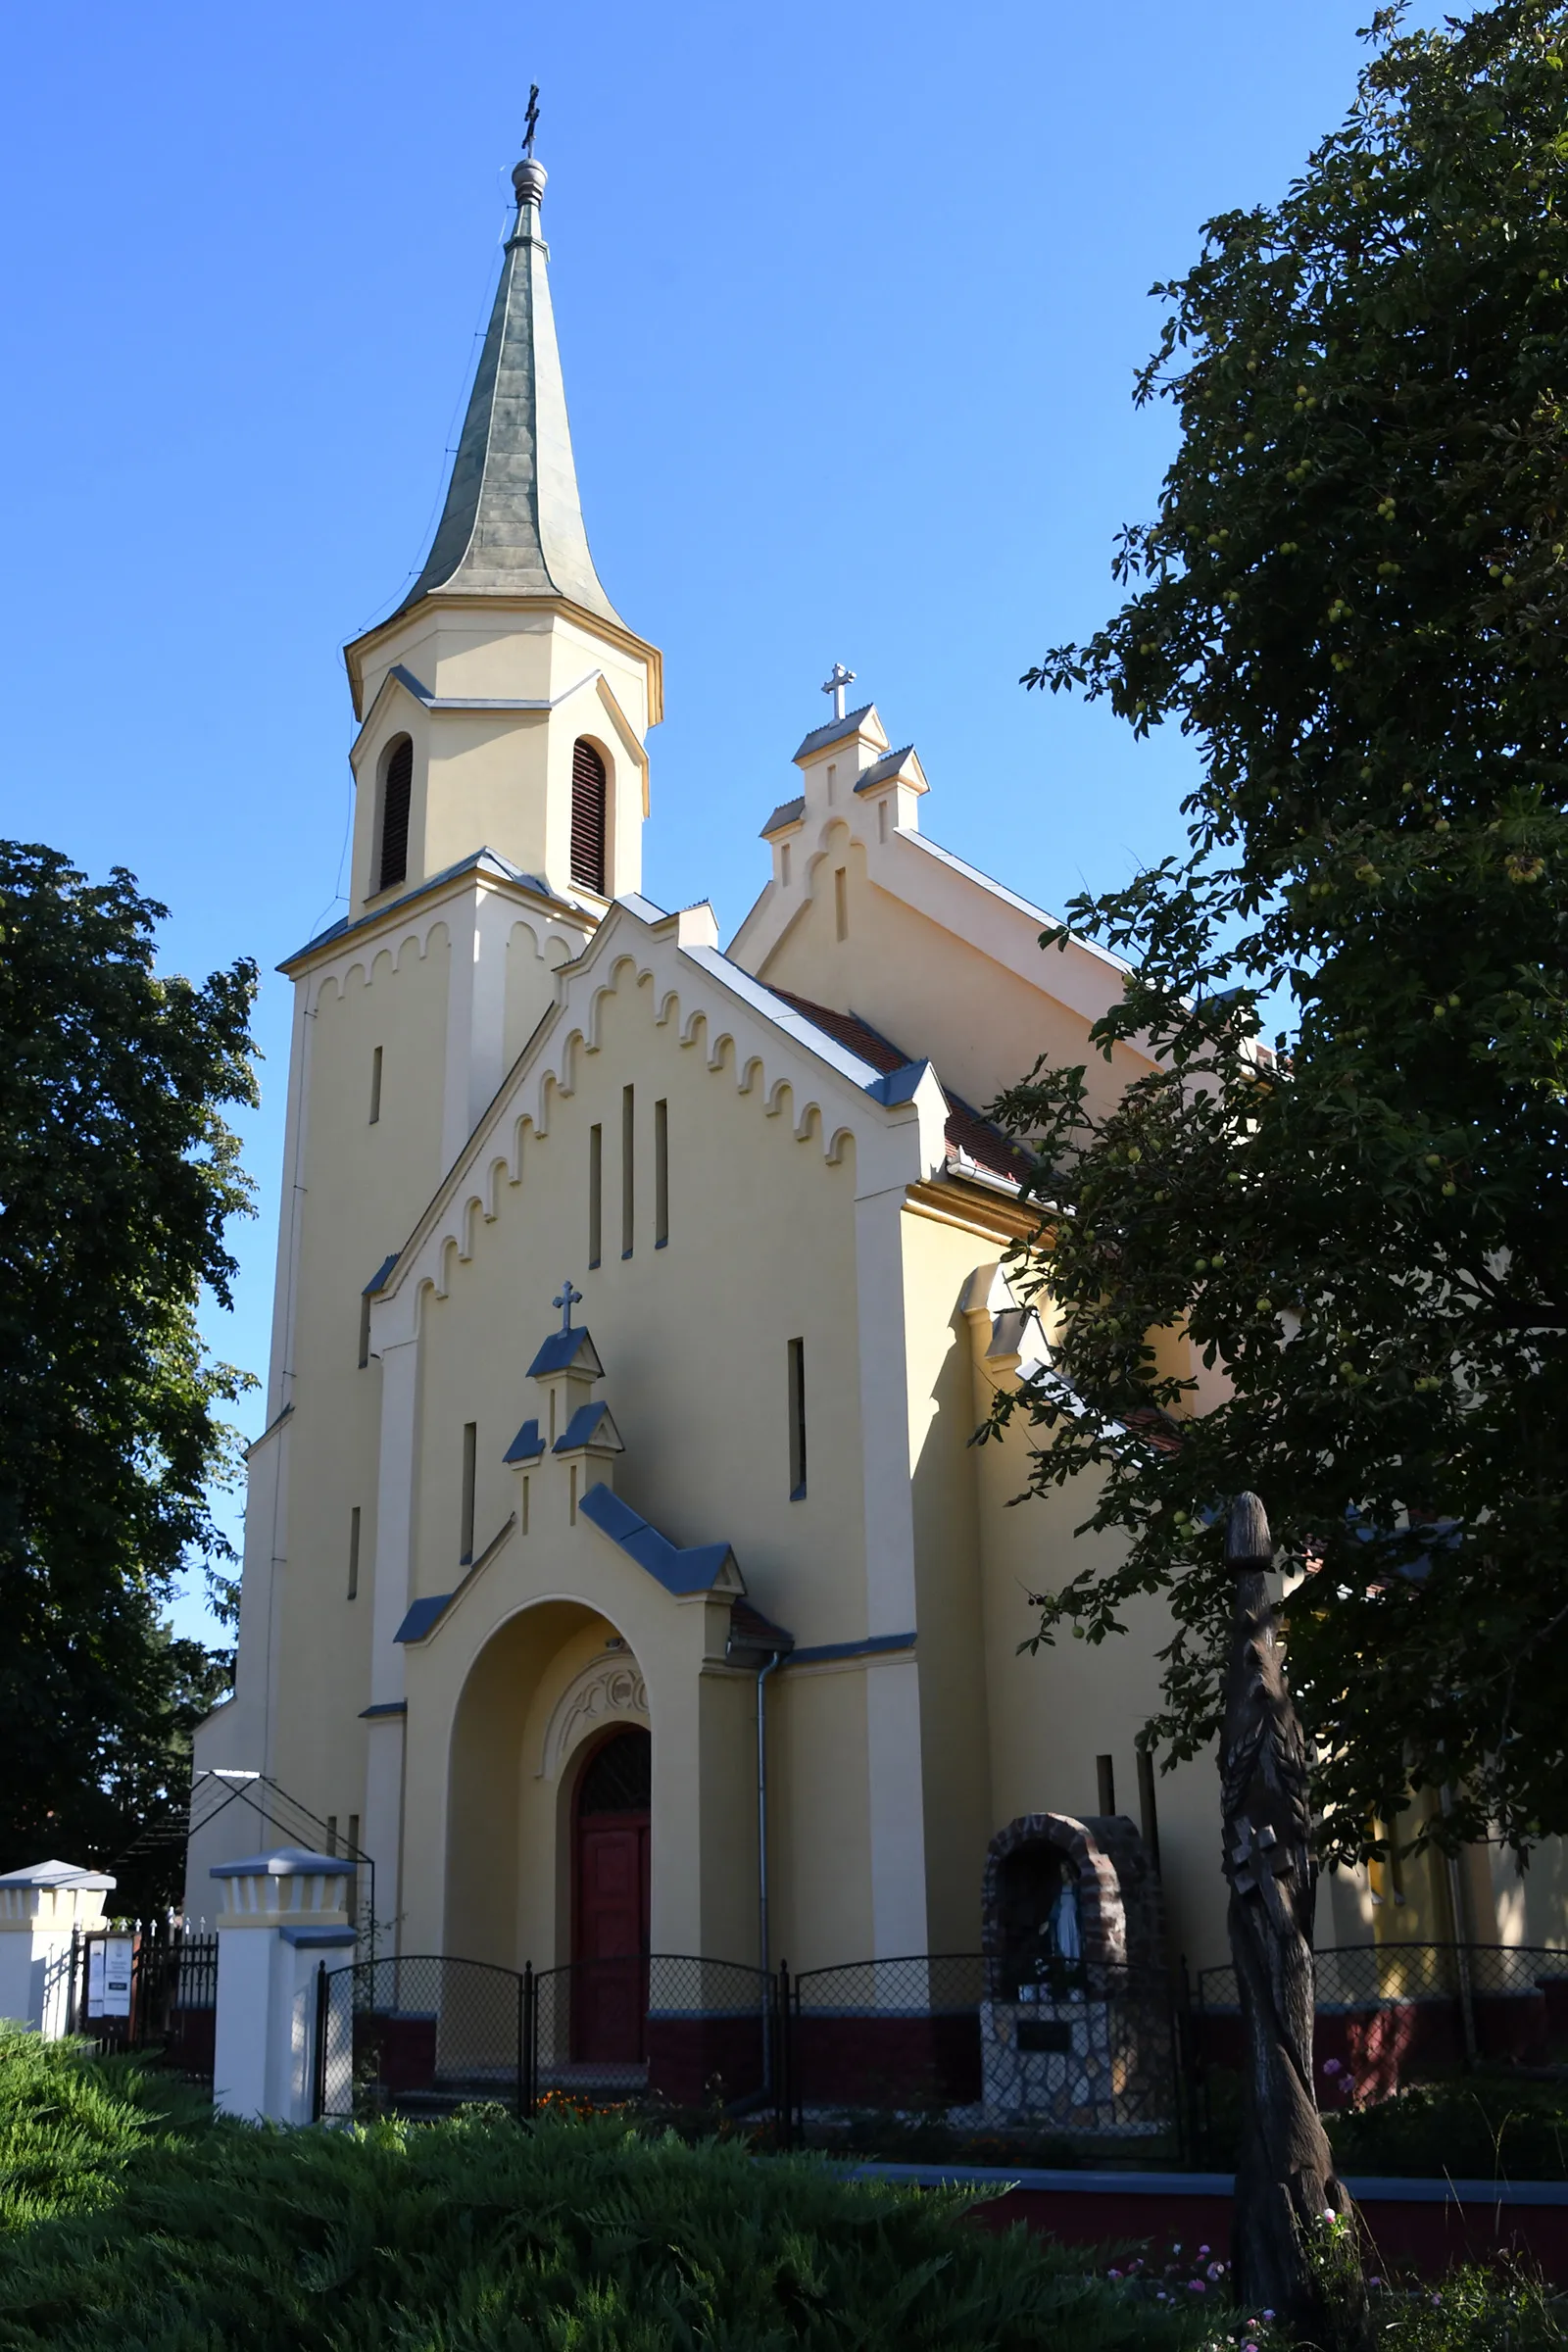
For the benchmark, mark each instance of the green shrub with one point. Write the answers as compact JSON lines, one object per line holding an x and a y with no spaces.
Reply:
{"x":129,"y":2220}
{"x":1475,"y":2127}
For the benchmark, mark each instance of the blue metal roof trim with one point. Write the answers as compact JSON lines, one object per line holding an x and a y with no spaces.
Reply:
{"x":480,"y":856}
{"x":318,"y":1939}
{"x":788,"y":812}
{"x":384,"y":1706}
{"x":559,"y":1351}
{"x":381,"y":1274}
{"x":682,"y":1572}
{"x":580,"y":1427}
{"x":422,"y":1617}
{"x":897,"y":1086}
{"x":528,"y":1446}
{"x":873,"y":1647}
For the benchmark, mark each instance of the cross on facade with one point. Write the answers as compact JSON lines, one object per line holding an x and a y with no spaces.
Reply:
{"x":567,"y":1299}
{"x":529,"y":128}
{"x":835,"y":685}
{"x":1258,"y":1857}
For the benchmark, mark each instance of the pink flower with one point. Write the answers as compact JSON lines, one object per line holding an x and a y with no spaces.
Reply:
{"x":1268,"y":2314}
{"x":1195,"y":2287}
{"x":1203,"y":2250}
{"x":1332,"y":2066}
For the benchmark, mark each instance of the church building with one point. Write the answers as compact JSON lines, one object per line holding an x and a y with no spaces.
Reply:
{"x":620,"y":1573}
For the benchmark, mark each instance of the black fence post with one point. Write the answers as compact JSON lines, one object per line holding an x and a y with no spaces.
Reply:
{"x":318,"y":2086}
{"x":784,"y":2058}
{"x":523,"y":2102}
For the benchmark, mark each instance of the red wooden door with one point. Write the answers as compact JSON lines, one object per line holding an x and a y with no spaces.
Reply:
{"x":610,"y":2006}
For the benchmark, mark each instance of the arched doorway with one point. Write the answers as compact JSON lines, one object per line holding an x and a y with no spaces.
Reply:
{"x":609,"y":1907}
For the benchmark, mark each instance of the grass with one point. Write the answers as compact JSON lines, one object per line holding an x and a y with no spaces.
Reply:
{"x":129,"y":2218}
{"x":132,"y":2220}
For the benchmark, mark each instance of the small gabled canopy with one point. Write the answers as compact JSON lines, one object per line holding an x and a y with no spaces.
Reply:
{"x":836,"y":731}
{"x":528,"y":1446}
{"x":590,"y":1427}
{"x":704,"y":1568}
{"x":567,"y":1352}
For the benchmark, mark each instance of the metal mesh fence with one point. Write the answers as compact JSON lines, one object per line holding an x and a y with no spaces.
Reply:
{"x":1389,"y":2014}
{"x":938,"y":2046}
{"x":417,"y":2034}
{"x":667,"y":2027}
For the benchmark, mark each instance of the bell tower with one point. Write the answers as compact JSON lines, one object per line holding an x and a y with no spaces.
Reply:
{"x":506,"y":705}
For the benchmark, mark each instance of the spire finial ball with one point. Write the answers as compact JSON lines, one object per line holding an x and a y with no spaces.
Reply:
{"x":529,"y":178}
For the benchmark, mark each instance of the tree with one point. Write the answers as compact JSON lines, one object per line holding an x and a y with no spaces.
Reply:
{"x":118,"y":1175}
{"x":1353,"y":599}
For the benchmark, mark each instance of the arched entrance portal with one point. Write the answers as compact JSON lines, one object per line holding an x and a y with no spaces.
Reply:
{"x":609,"y":1910}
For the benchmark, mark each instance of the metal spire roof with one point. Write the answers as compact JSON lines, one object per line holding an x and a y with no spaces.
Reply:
{"x":512,"y":524}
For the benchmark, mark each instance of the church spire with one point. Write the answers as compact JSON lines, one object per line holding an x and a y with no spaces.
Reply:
{"x":512,"y":522}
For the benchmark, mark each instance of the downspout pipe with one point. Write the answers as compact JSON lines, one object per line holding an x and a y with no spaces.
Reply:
{"x":771,"y":1667}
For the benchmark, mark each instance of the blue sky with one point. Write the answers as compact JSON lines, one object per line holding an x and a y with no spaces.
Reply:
{"x":849,"y":301}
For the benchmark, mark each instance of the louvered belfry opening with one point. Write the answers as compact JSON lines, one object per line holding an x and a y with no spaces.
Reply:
{"x":587,"y":817}
{"x":396,"y":787}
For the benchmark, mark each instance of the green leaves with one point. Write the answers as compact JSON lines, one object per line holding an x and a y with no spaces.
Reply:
{"x":1354,"y":599}
{"x":118,"y":1175}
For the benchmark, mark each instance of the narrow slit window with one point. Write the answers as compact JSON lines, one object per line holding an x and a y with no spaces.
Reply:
{"x":661,"y":1174}
{"x":840,"y":902}
{"x":375,"y":1086}
{"x":397,"y":790}
{"x":364,"y":1331}
{"x":797,"y":1368}
{"x":354,"y":1553}
{"x":628,"y":1169}
{"x":1147,"y":1809}
{"x":784,"y":864}
{"x":471,"y":1457}
{"x":587,"y":817}
{"x":525,"y":1503}
{"x":574,"y":1493}
{"x":331,"y":1833}
{"x":1106,"y":1784}
{"x":881,"y":820}
{"x":596,"y":1192}
{"x":354,"y":1835}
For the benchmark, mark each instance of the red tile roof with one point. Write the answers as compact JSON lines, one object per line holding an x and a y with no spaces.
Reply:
{"x":969,"y":1136}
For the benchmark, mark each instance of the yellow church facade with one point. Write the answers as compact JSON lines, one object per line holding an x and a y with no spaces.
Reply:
{"x":619,"y":1571}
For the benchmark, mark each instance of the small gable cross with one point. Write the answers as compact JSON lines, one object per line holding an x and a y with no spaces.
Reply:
{"x":835,"y":684}
{"x":567,"y":1299}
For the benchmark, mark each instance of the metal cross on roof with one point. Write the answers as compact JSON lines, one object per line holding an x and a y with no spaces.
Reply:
{"x":567,"y":1299}
{"x":835,"y":685}
{"x":529,"y":128}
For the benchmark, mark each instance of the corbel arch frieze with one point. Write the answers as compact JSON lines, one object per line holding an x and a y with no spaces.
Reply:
{"x":608,"y":1689}
{"x":361,"y":963}
{"x":776,"y":1066}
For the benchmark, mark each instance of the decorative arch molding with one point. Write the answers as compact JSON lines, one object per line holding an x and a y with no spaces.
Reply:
{"x":772,"y":1066}
{"x":608,"y":1689}
{"x":360,"y":965}
{"x":1102,"y":1917}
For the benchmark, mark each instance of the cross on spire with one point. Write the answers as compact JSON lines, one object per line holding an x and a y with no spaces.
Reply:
{"x":567,"y":1299}
{"x":835,"y":683}
{"x":533,"y":124}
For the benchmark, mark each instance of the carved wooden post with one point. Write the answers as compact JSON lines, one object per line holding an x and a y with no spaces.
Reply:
{"x":1285,"y":2181}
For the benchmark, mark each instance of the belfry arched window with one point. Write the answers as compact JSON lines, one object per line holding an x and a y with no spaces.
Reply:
{"x":397,"y":785}
{"x":587,"y":817}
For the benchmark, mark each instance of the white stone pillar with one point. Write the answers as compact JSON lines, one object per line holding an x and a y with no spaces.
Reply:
{"x":41,"y":1908}
{"x":285,"y":1913}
